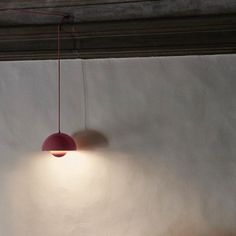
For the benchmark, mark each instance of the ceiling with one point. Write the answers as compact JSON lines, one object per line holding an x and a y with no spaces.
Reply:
{"x":116,"y":28}
{"x":107,"y":10}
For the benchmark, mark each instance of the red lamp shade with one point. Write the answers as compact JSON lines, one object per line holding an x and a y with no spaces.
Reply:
{"x":58,"y":144}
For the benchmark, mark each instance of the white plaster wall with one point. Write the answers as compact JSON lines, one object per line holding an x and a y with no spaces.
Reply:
{"x":170,"y":169}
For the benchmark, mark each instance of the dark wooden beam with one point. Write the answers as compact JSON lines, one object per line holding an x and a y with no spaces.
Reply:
{"x":137,"y":38}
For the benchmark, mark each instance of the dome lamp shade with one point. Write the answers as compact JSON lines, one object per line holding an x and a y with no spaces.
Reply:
{"x":58,"y":144}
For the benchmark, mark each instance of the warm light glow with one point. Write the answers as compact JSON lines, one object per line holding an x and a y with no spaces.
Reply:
{"x":68,"y":184}
{"x":58,"y":153}
{"x":77,"y":172}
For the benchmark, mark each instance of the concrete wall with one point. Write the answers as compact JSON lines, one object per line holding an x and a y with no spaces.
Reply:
{"x":170,"y":169}
{"x":108,"y":10}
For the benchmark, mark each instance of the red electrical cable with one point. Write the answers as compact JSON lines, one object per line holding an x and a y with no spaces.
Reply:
{"x":59,"y":71}
{"x":59,"y":75}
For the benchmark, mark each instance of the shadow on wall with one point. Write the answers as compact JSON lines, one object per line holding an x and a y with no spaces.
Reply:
{"x":90,"y":139}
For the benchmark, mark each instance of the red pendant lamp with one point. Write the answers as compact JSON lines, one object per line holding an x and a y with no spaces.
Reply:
{"x":59,"y":143}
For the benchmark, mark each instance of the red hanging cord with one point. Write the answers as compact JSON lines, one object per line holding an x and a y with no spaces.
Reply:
{"x":59,"y":75}
{"x":59,"y":70}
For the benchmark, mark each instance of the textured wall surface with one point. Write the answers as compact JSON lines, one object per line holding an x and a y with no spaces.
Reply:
{"x":170,"y":169}
{"x":93,"y":10}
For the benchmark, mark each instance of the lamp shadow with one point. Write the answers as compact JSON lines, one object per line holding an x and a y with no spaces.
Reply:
{"x":89,"y":139}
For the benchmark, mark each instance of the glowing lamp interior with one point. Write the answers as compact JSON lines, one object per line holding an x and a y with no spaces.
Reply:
{"x":58,"y":153}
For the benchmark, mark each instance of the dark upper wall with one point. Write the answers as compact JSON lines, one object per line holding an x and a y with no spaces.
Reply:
{"x":93,"y":10}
